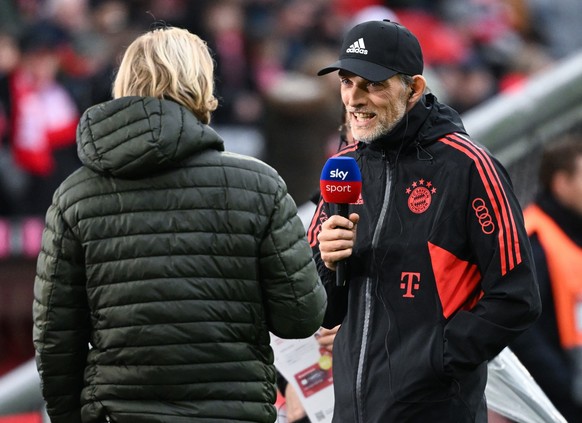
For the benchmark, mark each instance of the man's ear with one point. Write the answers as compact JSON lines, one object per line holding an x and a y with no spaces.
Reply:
{"x":418,"y":87}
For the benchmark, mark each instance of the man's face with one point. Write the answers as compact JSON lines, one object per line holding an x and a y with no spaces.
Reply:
{"x":570,"y":191}
{"x":373,"y":108}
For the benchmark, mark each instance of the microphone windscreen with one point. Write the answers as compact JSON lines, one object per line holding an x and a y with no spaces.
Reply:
{"x":341,"y":180}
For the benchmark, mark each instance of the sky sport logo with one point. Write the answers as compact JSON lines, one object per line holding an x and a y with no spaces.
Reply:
{"x":341,"y":180}
{"x":358,"y":47}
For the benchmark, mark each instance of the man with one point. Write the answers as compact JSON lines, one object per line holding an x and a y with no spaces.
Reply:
{"x":41,"y":119}
{"x":552,"y":349}
{"x":165,"y":260}
{"x":441,"y":277}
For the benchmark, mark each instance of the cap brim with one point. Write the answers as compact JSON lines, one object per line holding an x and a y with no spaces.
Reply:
{"x":370,"y":71}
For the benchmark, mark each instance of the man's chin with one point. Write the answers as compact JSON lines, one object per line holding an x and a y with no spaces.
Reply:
{"x":365,"y":136}
{"x":370,"y":135}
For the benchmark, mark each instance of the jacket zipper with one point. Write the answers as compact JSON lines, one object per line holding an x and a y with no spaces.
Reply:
{"x":368,"y":294}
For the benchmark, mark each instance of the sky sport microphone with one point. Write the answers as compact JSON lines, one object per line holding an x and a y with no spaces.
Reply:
{"x":341,"y":184}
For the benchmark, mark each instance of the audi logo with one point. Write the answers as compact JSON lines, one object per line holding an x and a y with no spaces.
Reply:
{"x":482,"y":213}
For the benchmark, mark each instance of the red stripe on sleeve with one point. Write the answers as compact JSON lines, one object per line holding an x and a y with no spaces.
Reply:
{"x":508,"y":213}
{"x":315,"y":225}
{"x":497,"y":198}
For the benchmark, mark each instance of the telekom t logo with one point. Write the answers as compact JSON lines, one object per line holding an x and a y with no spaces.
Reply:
{"x":409,"y":282}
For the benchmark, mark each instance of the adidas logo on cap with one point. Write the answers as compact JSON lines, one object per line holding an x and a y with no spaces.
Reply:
{"x":357,"y":47}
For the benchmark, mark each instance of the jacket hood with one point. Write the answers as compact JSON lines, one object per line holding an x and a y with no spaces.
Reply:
{"x":426,"y":122}
{"x":131,"y":137}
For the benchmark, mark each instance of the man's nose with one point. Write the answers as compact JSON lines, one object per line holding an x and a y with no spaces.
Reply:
{"x":354,"y":96}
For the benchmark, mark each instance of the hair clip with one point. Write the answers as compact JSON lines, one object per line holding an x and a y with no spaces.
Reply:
{"x":157,"y":24}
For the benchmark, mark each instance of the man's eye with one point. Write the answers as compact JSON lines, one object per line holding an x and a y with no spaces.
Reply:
{"x":374,"y":84}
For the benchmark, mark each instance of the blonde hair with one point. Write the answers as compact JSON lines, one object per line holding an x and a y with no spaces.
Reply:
{"x":169,"y":63}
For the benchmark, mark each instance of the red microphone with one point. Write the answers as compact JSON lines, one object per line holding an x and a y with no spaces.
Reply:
{"x":341,"y":184}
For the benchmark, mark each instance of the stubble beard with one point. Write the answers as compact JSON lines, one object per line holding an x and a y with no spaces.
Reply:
{"x":382,"y":129}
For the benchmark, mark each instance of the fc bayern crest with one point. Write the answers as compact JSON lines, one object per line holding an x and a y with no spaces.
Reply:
{"x":420,"y":195}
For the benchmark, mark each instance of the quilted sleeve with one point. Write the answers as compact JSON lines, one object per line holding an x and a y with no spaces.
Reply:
{"x":61,"y":319}
{"x":295,"y":297}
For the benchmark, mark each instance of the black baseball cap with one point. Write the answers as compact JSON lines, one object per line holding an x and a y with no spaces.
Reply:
{"x":377,"y":50}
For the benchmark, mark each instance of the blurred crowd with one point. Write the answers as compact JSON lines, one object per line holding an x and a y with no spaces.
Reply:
{"x":58,"y":57}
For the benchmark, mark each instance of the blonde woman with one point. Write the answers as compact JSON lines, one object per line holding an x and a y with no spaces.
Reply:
{"x":165,"y":260}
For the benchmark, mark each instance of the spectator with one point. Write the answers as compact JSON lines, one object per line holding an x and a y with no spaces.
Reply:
{"x":552,"y":348}
{"x":166,"y":261}
{"x":441,"y":276}
{"x":86,"y":65}
{"x":42,"y":119}
{"x":237,"y":93}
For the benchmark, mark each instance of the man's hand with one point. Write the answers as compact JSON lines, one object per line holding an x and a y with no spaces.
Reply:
{"x":337,"y":238}
{"x":325,"y":337}
{"x":295,"y":410}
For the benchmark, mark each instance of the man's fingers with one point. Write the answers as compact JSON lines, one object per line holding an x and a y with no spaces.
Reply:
{"x":336,"y":239}
{"x":335,"y":235}
{"x":335,"y":256}
{"x":337,"y":221}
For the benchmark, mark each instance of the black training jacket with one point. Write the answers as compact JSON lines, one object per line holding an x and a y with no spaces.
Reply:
{"x":441,"y":275}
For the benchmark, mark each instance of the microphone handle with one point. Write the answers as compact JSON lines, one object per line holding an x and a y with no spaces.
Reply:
{"x":341,"y":269}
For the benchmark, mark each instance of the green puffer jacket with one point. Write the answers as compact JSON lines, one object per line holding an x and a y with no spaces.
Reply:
{"x":165,"y":263}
